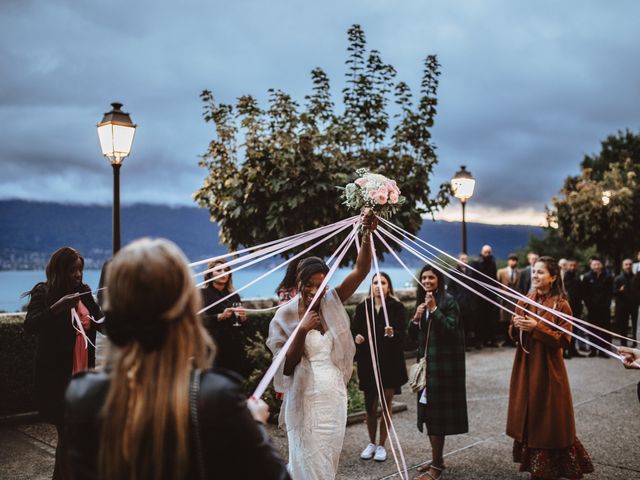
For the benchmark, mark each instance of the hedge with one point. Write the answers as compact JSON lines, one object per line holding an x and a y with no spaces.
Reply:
{"x":17,"y":352}
{"x":17,"y":355}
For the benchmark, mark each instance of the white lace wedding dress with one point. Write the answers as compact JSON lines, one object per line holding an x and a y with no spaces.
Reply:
{"x":314,"y":447}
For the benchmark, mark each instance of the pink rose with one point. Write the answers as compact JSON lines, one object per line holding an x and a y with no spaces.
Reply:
{"x":393,"y":197}
{"x":361,"y":182}
{"x":381,"y":198}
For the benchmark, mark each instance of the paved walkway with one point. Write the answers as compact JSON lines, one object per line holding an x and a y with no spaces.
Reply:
{"x":607,"y":420}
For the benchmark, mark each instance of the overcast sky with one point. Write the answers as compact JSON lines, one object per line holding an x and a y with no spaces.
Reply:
{"x":527,"y":88}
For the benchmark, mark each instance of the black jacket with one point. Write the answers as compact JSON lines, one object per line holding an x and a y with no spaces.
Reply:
{"x":393,"y":370}
{"x":486,"y":265}
{"x":624,"y":291}
{"x":56,"y":340}
{"x":525,"y":280}
{"x":229,"y":340}
{"x":466,"y":298}
{"x":573,"y":287}
{"x":597,"y":290}
{"x":234,"y":445}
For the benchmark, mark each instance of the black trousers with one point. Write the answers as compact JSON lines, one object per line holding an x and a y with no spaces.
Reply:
{"x":61,"y":469}
{"x":467,"y":316}
{"x":486,"y":315}
{"x":624,"y":312}
{"x":600,"y":316}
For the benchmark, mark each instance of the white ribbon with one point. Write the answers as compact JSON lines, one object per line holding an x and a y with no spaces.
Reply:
{"x":274,"y":269}
{"x":273,"y":368}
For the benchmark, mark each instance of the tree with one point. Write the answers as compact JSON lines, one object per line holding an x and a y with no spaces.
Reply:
{"x":553,"y":245}
{"x":273,"y":172}
{"x":615,"y":149}
{"x":601,"y":212}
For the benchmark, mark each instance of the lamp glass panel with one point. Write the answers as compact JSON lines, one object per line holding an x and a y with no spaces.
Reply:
{"x":463,"y":187}
{"x":122,"y":140}
{"x":105,"y":134}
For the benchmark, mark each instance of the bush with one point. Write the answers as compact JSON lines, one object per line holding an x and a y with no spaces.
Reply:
{"x":18,"y":352}
{"x":17,"y":357}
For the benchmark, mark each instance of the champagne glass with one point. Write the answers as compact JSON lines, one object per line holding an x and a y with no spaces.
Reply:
{"x":235,"y":315}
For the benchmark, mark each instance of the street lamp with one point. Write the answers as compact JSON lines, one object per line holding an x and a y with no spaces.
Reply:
{"x":116,"y":132}
{"x":463,"y":184}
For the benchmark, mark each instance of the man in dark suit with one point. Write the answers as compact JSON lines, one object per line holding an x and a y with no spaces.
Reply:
{"x":597,"y":290}
{"x":486,"y":312}
{"x":508,"y":276}
{"x":467,"y":301}
{"x":527,"y":273}
{"x":626,"y":301}
{"x":573,"y":287}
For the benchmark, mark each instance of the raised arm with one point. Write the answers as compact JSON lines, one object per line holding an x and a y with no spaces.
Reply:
{"x":363,"y":263}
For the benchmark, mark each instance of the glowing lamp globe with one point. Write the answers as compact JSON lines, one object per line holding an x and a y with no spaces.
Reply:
{"x":116,"y":132}
{"x":463,"y":184}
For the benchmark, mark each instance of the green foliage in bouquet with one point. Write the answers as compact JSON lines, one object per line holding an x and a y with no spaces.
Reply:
{"x":273,"y":172}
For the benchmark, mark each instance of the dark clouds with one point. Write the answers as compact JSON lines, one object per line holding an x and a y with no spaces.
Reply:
{"x":526,"y":90}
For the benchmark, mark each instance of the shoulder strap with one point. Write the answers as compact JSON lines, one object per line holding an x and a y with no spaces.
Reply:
{"x":194,"y":394}
{"x":426,"y":345}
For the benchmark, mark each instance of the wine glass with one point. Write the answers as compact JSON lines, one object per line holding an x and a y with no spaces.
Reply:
{"x":235,"y":305}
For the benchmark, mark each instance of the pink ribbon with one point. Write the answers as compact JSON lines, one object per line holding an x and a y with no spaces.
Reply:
{"x":435,"y":261}
{"x":272,"y":251}
{"x":250,"y":249}
{"x":375,"y":363}
{"x":275,"y":268}
{"x":277,"y":361}
{"x":77,"y":326}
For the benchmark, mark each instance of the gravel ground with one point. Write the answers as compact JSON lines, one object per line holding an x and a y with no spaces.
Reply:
{"x":606,"y":409}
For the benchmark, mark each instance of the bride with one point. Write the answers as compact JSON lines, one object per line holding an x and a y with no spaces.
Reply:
{"x":318,"y":365}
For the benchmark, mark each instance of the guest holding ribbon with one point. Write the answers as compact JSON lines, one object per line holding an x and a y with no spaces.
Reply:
{"x":62,"y":321}
{"x":442,"y":405}
{"x":225,"y":321}
{"x":540,"y":416}
{"x":388,"y":342}
{"x":158,"y":413}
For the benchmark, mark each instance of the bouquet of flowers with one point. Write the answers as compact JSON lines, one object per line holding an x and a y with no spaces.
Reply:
{"x":374,"y":191}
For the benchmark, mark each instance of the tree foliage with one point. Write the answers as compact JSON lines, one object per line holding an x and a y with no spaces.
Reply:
{"x":273,"y":171}
{"x":601,"y":211}
{"x":552,"y":244}
{"x":615,"y":149}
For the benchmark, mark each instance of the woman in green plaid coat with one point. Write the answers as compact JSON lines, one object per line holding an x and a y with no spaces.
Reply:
{"x":436,"y":326}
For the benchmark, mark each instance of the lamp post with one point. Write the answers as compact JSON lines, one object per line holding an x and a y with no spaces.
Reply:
{"x":116,"y":132}
{"x":463,"y":184}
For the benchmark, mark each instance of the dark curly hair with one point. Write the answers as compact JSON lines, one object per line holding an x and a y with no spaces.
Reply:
{"x":557,"y":287}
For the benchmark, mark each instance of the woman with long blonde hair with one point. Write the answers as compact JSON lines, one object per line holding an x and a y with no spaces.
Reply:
{"x":156,"y":409}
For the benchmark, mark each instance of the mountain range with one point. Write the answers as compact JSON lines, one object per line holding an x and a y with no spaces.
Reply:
{"x":31,"y":231}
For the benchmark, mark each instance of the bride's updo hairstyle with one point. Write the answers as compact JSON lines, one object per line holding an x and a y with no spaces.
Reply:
{"x":307,"y":268}
{"x":151,"y":317}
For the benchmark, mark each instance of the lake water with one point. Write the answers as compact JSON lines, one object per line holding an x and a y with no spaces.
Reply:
{"x":14,"y":283}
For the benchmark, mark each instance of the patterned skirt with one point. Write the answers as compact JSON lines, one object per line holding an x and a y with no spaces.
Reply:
{"x":553,"y":463}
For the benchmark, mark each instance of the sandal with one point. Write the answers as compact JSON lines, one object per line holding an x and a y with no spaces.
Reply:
{"x":427,"y":476}
{"x":424,"y":468}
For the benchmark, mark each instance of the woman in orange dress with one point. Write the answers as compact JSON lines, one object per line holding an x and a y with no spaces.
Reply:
{"x":540,"y":417}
